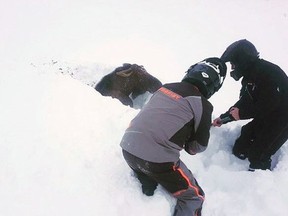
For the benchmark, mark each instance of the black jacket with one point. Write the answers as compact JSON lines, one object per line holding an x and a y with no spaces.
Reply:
{"x":264,"y":92}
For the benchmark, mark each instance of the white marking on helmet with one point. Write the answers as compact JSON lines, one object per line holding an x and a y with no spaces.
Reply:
{"x":213,"y":66}
{"x":205,"y":75}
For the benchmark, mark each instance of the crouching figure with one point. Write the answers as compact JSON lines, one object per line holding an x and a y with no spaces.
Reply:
{"x":263,"y":99}
{"x":177,"y":117}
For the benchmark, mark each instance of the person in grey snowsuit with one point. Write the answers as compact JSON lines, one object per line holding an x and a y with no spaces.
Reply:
{"x":263,"y":98}
{"x":177,"y":117}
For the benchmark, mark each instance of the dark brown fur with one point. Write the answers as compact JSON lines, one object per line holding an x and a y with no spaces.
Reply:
{"x":126,"y":82}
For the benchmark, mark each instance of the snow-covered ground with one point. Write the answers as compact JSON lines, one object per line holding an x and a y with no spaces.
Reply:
{"x":59,"y":138}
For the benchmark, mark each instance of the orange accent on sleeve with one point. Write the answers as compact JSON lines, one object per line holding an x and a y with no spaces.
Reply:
{"x":170,"y":93}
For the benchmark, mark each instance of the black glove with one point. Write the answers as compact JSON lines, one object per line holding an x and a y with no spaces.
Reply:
{"x":226,"y":117}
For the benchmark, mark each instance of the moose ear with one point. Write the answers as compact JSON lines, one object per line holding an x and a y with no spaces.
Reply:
{"x":125,"y":73}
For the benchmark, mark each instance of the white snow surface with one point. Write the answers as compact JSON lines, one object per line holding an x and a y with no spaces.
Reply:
{"x":59,"y":138}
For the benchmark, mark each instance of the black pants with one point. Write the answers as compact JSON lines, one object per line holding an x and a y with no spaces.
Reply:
{"x":176,"y":178}
{"x":260,"y":139}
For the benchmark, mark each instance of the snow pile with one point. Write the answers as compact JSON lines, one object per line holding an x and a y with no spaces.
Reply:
{"x":60,"y":155}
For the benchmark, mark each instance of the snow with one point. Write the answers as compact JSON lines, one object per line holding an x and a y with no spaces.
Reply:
{"x":59,"y":138}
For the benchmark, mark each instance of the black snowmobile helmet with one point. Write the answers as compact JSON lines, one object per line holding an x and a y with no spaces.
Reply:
{"x":242,"y":54}
{"x":208,"y":75}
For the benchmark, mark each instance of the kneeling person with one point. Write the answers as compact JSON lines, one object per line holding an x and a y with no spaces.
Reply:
{"x":178,"y":116}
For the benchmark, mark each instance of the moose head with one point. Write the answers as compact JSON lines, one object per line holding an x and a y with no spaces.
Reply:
{"x":127,"y":82}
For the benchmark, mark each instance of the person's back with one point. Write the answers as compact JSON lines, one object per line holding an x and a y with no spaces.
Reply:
{"x":275,"y":75}
{"x":163,"y":126}
{"x":266,"y":90}
{"x":275,"y":78}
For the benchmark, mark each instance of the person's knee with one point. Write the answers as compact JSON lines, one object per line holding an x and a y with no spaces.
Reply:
{"x":195,"y":194}
{"x":149,"y":188}
{"x":260,"y":165}
{"x":240,"y":151}
{"x":149,"y":185}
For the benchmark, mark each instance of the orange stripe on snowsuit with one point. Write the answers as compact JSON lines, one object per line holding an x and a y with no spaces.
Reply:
{"x":189,"y":184}
{"x":169,"y":93}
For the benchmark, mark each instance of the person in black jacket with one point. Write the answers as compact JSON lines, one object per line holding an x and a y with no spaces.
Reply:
{"x":177,"y":117}
{"x":263,"y":98}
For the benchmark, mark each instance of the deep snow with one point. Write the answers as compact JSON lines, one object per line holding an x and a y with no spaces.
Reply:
{"x":59,"y":138}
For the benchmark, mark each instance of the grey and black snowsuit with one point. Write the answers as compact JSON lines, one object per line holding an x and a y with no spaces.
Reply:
{"x":264,"y":98}
{"x":176,"y":117}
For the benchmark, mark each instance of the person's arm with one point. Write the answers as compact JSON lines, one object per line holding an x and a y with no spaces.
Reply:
{"x":198,"y":141}
{"x":193,"y":147}
{"x":224,"y":118}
